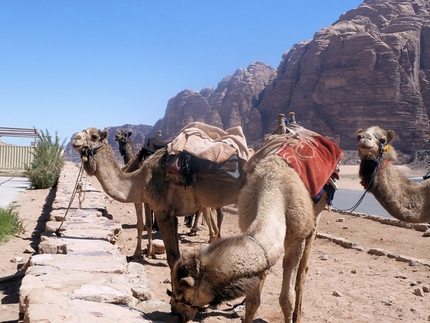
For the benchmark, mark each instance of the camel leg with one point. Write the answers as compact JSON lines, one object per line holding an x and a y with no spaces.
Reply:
{"x":154,"y":221}
{"x":194,"y":229}
{"x":253,"y":299}
{"x":148,"y":222}
{"x":291,"y":262}
{"x":168,"y":224}
{"x":207,"y":215}
{"x":139,"y":227}
{"x":219,"y":218}
{"x":301,"y":275}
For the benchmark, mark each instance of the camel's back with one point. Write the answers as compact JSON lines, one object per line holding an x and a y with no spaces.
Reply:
{"x":274,"y":196}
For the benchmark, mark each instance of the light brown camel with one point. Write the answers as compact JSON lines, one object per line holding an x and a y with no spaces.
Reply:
{"x":149,"y":184}
{"x":276,"y":215}
{"x":403,"y":198}
{"x":125,"y":145}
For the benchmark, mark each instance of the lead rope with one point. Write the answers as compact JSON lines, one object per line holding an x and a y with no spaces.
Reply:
{"x":76,"y":188}
{"x":378,"y":166}
{"x":356,"y":205}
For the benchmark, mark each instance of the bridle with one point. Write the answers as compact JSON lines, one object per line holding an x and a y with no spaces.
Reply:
{"x":89,"y":151}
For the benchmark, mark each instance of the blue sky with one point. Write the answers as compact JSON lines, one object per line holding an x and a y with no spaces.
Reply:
{"x":69,"y":65}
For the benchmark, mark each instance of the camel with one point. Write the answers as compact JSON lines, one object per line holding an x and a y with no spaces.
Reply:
{"x":402,"y":198}
{"x":153,"y":144}
{"x":133,"y":162}
{"x":276,"y":215}
{"x":149,"y":184}
{"x":125,"y":145}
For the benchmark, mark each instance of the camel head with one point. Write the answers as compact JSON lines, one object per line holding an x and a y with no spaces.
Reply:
{"x":373,"y":142}
{"x":186,"y":288}
{"x":87,"y":143}
{"x":123,"y":137}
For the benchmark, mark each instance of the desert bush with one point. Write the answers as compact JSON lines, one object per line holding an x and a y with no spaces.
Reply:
{"x":10,"y":223}
{"x":48,"y":161}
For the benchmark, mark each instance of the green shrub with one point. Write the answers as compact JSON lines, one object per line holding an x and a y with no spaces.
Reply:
{"x":48,"y":161}
{"x":10,"y":224}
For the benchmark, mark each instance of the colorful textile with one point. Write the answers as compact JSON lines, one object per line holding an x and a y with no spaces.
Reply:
{"x":311,"y":155}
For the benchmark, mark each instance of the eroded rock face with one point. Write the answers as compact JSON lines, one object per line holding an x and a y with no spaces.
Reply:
{"x":370,"y":67}
{"x":229,"y":105}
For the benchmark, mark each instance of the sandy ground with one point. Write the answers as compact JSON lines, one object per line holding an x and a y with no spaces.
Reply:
{"x":343,"y":285}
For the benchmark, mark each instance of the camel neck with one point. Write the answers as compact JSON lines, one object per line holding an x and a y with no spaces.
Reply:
{"x":402,"y":198}
{"x":123,"y":187}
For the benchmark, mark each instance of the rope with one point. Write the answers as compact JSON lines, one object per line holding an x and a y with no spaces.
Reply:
{"x":76,"y":188}
{"x":369,"y":185}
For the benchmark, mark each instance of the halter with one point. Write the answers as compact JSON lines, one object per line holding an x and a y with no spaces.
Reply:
{"x":89,"y":151}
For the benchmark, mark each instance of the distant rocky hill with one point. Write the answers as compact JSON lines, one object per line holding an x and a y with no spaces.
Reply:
{"x":370,"y":67}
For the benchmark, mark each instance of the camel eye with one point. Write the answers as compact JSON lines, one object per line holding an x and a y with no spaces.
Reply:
{"x":94,"y":137}
{"x":383,"y":140}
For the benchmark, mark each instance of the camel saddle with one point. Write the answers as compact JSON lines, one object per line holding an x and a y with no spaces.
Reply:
{"x":315,"y":158}
{"x":205,"y":151}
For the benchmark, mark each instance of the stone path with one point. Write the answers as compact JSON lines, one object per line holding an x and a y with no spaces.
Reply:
{"x":81,"y":276}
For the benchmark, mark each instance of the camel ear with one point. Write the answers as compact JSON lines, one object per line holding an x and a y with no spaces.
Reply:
{"x":130,"y":133}
{"x":390,"y":135}
{"x":104,"y":134}
{"x":187,"y":282}
{"x":360,"y":130}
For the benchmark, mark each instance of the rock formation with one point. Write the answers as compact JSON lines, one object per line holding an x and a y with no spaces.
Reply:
{"x":372,"y":66}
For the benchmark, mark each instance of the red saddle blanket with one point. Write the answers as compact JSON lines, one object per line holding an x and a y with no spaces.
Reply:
{"x":312,"y":156}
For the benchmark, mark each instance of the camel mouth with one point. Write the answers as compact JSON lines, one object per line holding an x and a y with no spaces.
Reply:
{"x":365,"y":143}
{"x":79,"y":147}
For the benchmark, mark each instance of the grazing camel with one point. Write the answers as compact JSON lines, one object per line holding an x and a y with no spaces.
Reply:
{"x":403,"y":199}
{"x":276,"y":215}
{"x":150,"y":184}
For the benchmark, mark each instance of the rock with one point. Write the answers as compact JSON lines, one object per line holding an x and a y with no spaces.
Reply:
{"x":16,"y":259}
{"x":337,"y":294}
{"x":29,"y":250}
{"x":377,"y":252}
{"x":421,"y":227}
{"x":426,"y":288}
{"x":158,"y":246}
{"x":419,"y":292}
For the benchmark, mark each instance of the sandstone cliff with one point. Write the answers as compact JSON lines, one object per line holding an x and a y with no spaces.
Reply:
{"x":232,"y":103}
{"x":372,"y":66}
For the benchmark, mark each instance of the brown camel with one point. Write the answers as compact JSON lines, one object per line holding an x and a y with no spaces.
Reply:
{"x":123,"y":138}
{"x":149,"y":184}
{"x":133,"y":162}
{"x":276,"y":215}
{"x":403,"y":199}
